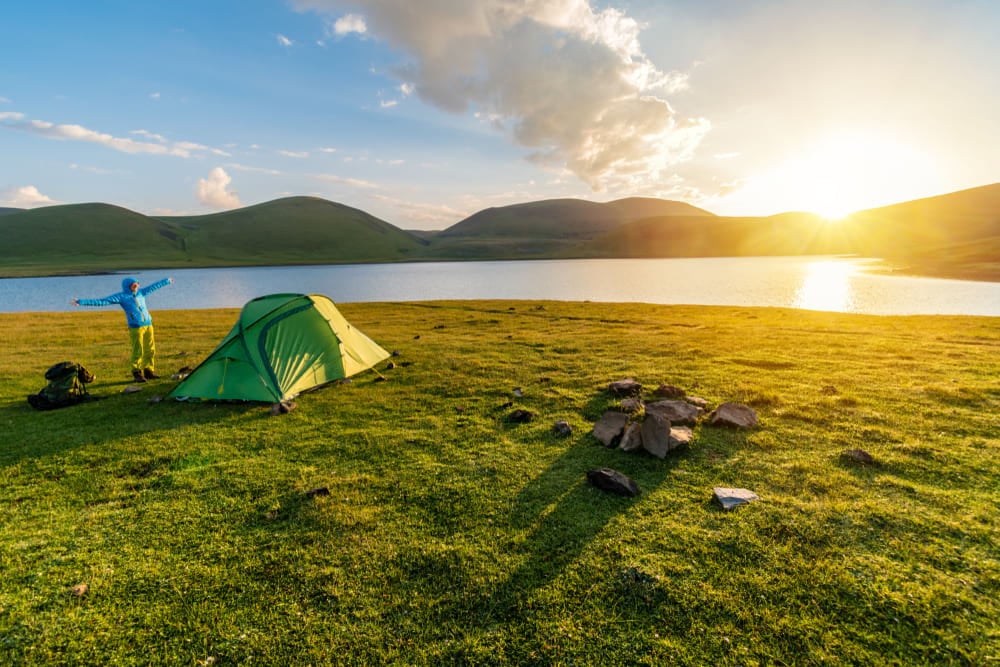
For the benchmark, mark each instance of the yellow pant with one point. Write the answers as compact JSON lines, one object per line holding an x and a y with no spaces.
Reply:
{"x":143,"y":348}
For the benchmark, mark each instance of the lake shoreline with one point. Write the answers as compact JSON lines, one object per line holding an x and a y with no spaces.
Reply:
{"x":945,"y":271}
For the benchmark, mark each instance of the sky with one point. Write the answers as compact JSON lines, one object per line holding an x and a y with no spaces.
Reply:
{"x":423,"y":113}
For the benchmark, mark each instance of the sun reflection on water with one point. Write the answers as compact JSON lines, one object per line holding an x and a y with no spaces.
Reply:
{"x":827,"y":286}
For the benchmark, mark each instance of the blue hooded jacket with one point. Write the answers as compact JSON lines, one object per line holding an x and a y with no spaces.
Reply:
{"x":134,"y":305}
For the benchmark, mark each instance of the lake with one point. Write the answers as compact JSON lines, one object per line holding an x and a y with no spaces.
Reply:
{"x":814,"y":283}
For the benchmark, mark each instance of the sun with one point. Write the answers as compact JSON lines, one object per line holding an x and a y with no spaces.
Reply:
{"x":841,"y":172}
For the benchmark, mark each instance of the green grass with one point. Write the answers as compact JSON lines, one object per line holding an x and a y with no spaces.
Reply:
{"x":451,"y":536}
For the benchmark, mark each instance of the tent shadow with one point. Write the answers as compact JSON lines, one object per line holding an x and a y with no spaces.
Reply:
{"x":92,"y":423}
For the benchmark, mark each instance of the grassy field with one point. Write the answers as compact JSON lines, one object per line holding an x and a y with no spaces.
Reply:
{"x":452,"y":536}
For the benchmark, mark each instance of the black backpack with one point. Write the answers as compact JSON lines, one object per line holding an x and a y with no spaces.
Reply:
{"x":67,"y":386}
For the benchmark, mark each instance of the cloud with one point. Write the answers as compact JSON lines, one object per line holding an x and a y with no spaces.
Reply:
{"x":212,"y":190}
{"x":339,"y":180}
{"x":437,"y":214}
{"x":71,"y":132}
{"x":92,"y":170}
{"x":154,"y":96}
{"x":569,"y":83}
{"x":295,"y":154}
{"x":388,"y":104}
{"x":349,"y":23}
{"x":284,"y":41}
{"x":256,"y":170}
{"x":26,"y":196}
{"x":4,"y":100}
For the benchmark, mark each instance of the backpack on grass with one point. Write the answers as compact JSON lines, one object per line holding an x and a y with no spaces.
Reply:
{"x":67,"y":386}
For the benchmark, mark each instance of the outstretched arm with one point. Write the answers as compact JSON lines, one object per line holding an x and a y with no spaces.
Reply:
{"x":106,"y":301}
{"x":149,"y":289}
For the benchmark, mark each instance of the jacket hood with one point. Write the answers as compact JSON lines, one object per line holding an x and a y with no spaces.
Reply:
{"x":126,"y":282}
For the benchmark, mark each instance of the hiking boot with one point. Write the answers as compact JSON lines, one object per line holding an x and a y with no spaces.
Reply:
{"x":137,"y":376}
{"x":150,"y":375}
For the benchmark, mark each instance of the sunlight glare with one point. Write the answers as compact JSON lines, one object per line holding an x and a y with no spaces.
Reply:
{"x":839,"y":174}
{"x":827,"y":286}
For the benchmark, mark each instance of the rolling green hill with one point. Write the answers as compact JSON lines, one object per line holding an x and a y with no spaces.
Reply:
{"x":545,"y":228}
{"x":4,"y":210}
{"x":100,"y":237}
{"x":956,"y":234}
{"x":294,"y":230}
{"x":85,"y":237}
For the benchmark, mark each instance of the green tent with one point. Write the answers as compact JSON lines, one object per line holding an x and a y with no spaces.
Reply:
{"x":282,"y":345}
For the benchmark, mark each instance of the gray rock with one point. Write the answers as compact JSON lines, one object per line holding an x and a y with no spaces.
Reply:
{"x":733,"y":415}
{"x":858,"y":456}
{"x":632,"y":438}
{"x":626,"y":387}
{"x":613,"y":481}
{"x":131,"y":389}
{"x":697,"y":401}
{"x":609,"y":427}
{"x":730,"y":498}
{"x":283,"y":408}
{"x":562,"y":428}
{"x":677,"y":412}
{"x":669,"y":391}
{"x":656,"y":435}
{"x":680,"y":436}
{"x":631,"y":405}
{"x":520,"y":416}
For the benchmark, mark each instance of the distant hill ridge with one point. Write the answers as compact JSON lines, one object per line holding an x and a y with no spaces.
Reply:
{"x":952,"y":234}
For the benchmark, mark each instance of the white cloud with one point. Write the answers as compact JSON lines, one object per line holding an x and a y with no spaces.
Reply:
{"x":566,"y":81}
{"x":339,"y":180}
{"x":433,"y":214}
{"x":295,"y":154}
{"x":92,"y":170}
{"x":26,"y":196}
{"x":256,"y":170}
{"x":212,"y":190}
{"x":349,"y":23}
{"x":388,"y":104}
{"x":284,"y":41}
{"x":150,"y":135}
{"x":154,"y":96}
{"x":327,"y":150}
{"x":71,"y":132}
{"x":4,"y":100}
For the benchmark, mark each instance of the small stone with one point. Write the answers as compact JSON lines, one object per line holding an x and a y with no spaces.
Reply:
{"x":318,"y":491}
{"x":677,"y":412}
{"x":669,"y":391}
{"x":155,"y":399}
{"x":697,"y":401}
{"x":613,"y":481}
{"x":626,"y":387}
{"x":609,"y":427}
{"x":631,"y":405}
{"x":858,"y":456}
{"x":395,"y":353}
{"x":518,"y":392}
{"x":730,"y":498}
{"x":733,"y":415}
{"x":391,"y":365}
{"x":656,"y":435}
{"x":632,"y":438}
{"x":520,"y":416}
{"x":132,"y":389}
{"x":79,"y":590}
{"x":562,"y":428}
{"x":283,"y":407}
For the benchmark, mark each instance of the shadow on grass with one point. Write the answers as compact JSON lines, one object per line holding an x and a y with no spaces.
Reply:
{"x":113,"y":417}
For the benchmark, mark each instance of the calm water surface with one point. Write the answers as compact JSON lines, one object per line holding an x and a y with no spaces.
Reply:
{"x":813,"y":283}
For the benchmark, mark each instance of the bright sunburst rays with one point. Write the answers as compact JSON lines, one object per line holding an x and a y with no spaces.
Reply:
{"x":827,"y":286}
{"x":839,"y":173}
